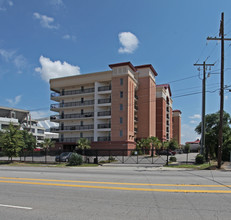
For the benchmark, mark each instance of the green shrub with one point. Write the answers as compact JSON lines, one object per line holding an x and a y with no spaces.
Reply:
{"x":172,"y":159}
{"x":75,"y":160}
{"x":199,"y":159}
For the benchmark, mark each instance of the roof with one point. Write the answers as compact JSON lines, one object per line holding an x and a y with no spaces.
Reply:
{"x":193,"y":142}
{"x":145,"y":66}
{"x":177,"y":110}
{"x":166,"y":86}
{"x":123,"y":64}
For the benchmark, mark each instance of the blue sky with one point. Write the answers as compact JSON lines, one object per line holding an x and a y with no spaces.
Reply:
{"x":51,"y":38}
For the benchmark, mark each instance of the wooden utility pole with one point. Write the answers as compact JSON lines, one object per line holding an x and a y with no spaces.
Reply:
{"x":222,"y":39}
{"x":203,"y":107}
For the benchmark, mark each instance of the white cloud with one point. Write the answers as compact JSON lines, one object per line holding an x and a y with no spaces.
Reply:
{"x":193,"y":122}
{"x":11,"y":56}
{"x":195,"y":116}
{"x":10,"y":3}
{"x":39,"y":114}
{"x":57,"y":3}
{"x":56,"y":69}
{"x":226,"y":97}
{"x":14,"y":101}
{"x":129,"y":42}
{"x":2,"y":9}
{"x":69,"y":37}
{"x":7,"y":54}
{"x":45,"y":21}
{"x":188,"y":133}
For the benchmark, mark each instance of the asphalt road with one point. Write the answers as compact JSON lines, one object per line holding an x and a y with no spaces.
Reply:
{"x":113,"y":193}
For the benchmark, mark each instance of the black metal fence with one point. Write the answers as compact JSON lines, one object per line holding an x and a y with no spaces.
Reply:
{"x":96,"y":156}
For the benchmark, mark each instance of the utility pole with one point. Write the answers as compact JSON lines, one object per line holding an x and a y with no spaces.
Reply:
{"x":203,"y":107}
{"x":222,"y":39}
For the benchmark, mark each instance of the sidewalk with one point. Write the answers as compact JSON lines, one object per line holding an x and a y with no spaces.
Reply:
{"x":226,"y":166}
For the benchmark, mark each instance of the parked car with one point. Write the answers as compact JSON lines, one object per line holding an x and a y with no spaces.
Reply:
{"x":164,"y":152}
{"x":63,"y":157}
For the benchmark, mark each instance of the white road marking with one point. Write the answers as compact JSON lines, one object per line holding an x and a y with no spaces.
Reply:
{"x":16,"y":207}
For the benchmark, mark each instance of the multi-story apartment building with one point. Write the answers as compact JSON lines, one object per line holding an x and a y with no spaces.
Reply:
{"x":176,"y":125}
{"x":111,"y":109}
{"x":164,"y":112}
{"x":19,"y":117}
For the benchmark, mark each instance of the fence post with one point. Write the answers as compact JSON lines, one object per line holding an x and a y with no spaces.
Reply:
{"x":123,"y":156}
{"x":137,"y":158}
{"x":167,"y":157}
{"x":32,"y":155}
{"x":152,"y":154}
{"x":45,"y":155}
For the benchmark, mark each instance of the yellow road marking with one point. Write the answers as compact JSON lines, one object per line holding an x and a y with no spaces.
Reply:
{"x":119,"y":188}
{"x":115,"y":183}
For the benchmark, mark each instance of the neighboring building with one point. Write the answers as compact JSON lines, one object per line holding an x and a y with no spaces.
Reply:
{"x":176,"y":124}
{"x":164,"y":112}
{"x":194,"y":145}
{"x":38,"y":132}
{"x":111,"y":108}
{"x":22,"y":118}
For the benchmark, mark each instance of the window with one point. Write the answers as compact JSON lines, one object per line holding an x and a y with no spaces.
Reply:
{"x":82,"y":88}
{"x":121,"y":133}
{"x":81,"y":123}
{"x":121,"y":120}
{"x":81,"y":134}
{"x":121,"y":107}
{"x":121,"y":94}
{"x":121,"y":81}
{"x":81,"y":111}
{"x":82,"y":100}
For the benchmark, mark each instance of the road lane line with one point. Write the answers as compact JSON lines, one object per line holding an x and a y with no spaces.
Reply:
{"x":16,"y":207}
{"x":116,"y":183}
{"x":119,"y":188}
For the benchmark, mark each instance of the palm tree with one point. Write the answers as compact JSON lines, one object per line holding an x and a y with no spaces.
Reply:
{"x":46,"y":145}
{"x":83,"y":144}
{"x":156,"y":144}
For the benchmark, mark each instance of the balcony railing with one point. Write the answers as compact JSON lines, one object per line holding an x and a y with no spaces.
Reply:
{"x":103,"y":101}
{"x":135,"y":130}
{"x":78,"y":127}
{"x":136,"y":118}
{"x":74,"y":139}
{"x":102,"y":126}
{"x":104,"y":138}
{"x":73,"y":92}
{"x":104,"y":88}
{"x":54,"y":117}
{"x":54,"y":129}
{"x":72,"y":104}
{"x":79,"y":115}
{"x":104,"y":113}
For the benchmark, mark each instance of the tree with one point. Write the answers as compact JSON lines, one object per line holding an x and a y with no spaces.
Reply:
{"x":212,"y":122}
{"x":48,"y":143}
{"x":83,"y":144}
{"x":142,"y":145}
{"x":155,"y":142}
{"x":29,"y":140}
{"x":12,"y":141}
{"x":172,"y":145}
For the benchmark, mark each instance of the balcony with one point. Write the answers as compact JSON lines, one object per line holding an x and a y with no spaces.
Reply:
{"x":73,"y":92}
{"x":104,"y":88}
{"x":135,"y":118}
{"x":135,"y":130}
{"x":104,"y":138}
{"x":54,"y":129}
{"x":104,"y":101}
{"x":77,"y":127}
{"x":75,"y":139}
{"x":103,"y":126}
{"x":72,"y":104}
{"x":104,"y":113}
{"x":54,"y":117}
